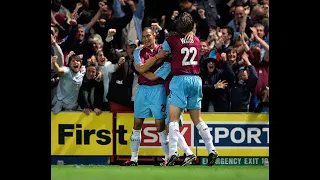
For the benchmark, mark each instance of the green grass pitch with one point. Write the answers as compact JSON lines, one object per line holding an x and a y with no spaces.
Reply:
{"x":67,"y":172}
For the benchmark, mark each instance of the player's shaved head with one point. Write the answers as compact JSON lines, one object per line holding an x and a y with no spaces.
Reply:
{"x":184,"y":23}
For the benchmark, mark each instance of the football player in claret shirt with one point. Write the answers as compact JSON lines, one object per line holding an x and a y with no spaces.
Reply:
{"x":186,"y":86}
{"x":150,"y":99}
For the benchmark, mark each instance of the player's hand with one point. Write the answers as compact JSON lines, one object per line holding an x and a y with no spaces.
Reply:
{"x":162,"y":54}
{"x":189,"y":36}
{"x":86,"y":111}
{"x":221,"y":84}
{"x":97,"y":111}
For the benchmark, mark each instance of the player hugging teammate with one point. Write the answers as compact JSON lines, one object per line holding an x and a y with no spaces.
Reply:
{"x":185,"y":92}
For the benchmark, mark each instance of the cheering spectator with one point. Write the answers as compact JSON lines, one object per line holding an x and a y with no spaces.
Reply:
{"x":69,"y":84}
{"x":122,"y":80}
{"x":242,"y":88}
{"x":214,"y":83}
{"x":106,"y":68}
{"x":106,"y":32}
{"x":91,"y":91}
{"x":107,"y":22}
{"x":133,"y":29}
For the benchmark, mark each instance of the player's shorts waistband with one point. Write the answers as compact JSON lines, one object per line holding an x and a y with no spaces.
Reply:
{"x":150,"y":86}
{"x":187,"y":75}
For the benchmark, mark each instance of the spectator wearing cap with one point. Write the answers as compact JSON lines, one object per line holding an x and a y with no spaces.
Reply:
{"x":242,"y":88}
{"x":122,"y":80}
{"x":214,"y":85}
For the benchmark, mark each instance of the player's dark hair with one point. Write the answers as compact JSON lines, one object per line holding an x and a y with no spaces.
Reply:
{"x":184,"y":23}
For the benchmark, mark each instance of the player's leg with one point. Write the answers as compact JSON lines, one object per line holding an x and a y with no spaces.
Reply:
{"x":157,"y":96}
{"x":177,"y":102}
{"x":141,"y":111}
{"x":182,"y":144}
{"x":194,"y":107}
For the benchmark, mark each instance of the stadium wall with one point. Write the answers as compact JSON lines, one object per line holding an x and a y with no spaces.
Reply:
{"x":80,"y":139}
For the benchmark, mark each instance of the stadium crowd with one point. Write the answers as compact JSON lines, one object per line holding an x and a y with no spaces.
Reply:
{"x":93,"y":43}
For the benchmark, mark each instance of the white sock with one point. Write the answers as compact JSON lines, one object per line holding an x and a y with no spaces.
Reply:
{"x":182,"y":144}
{"x":174,"y":133}
{"x":164,"y":143}
{"x":206,"y":136}
{"x":135,"y":140}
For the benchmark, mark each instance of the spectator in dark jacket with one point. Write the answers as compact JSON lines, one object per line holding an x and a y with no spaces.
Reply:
{"x":214,"y":83}
{"x":120,"y":87}
{"x":91,"y":91}
{"x":242,"y":88}
{"x":107,"y":22}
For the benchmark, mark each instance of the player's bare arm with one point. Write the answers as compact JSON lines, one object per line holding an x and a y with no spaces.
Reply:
{"x":151,"y":76}
{"x":144,"y":67}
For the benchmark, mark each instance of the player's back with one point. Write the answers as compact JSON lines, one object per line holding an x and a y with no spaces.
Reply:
{"x":185,"y":55}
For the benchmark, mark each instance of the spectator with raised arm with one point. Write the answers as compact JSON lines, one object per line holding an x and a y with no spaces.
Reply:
{"x":259,"y":39}
{"x":122,"y":80}
{"x":242,"y":88}
{"x":69,"y":84}
{"x":133,"y":29}
{"x":262,"y":67}
{"x":77,"y":40}
{"x":107,"y":22}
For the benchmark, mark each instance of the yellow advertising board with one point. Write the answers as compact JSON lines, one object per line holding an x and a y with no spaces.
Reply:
{"x":233,"y":135}
{"x":74,"y":133}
